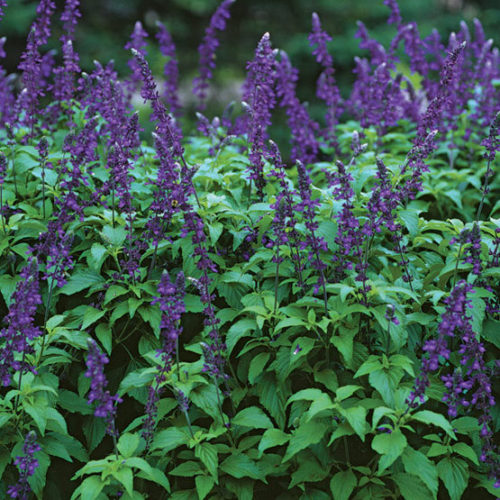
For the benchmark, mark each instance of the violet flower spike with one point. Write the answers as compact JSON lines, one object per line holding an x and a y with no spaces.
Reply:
{"x":3,"y":4}
{"x":260,"y":99}
{"x":21,"y":327}
{"x":207,"y":51}
{"x":27,"y":465}
{"x":106,"y":404}
{"x":171,"y":70}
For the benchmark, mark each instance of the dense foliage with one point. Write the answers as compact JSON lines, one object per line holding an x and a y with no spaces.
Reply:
{"x":191,"y":317}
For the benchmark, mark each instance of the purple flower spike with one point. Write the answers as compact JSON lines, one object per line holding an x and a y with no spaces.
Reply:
{"x":395,"y":17}
{"x":3,"y":4}
{"x":171,"y":302}
{"x":137,"y":42}
{"x":305,"y":146}
{"x":27,"y":465}
{"x":20,"y":324}
{"x":326,"y":87}
{"x":171,"y":70}
{"x":106,"y":404}
{"x":207,"y":50}
{"x":258,"y":94}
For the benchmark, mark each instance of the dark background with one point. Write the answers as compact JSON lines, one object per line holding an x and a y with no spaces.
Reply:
{"x":106,"y":25}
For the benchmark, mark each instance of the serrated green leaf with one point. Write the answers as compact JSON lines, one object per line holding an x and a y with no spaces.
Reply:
{"x":81,"y":280}
{"x":204,"y":485}
{"x":271,"y":438}
{"x":207,"y":453}
{"x":342,"y":484}
{"x":252,"y":417}
{"x":418,"y":464}
{"x":466,"y":451}
{"x":390,"y":446}
{"x":305,"y":435}
{"x":257,"y":365}
{"x":127,"y":444}
{"x":430,"y":417}
{"x":240,"y":465}
{"x":411,"y":487}
{"x":455,"y":474}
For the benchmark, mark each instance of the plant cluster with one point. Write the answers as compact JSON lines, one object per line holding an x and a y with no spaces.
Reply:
{"x":188,"y":316}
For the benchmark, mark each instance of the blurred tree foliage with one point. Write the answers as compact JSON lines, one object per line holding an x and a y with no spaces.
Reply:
{"x":106,"y":25}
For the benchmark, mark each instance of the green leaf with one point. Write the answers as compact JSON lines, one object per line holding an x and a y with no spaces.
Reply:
{"x":455,"y":474}
{"x":240,"y":465}
{"x":342,"y":484}
{"x":114,"y":235}
{"x":125,"y":476}
{"x":105,"y":335}
{"x":466,"y":451}
{"x":113,"y":292}
{"x":97,"y":256}
{"x":370,"y":365}
{"x":253,"y":417}
{"x":204,"y":485}
{"x":430,"y":417}
{"x":73,"y":402}
{"x":169,"y":439}
{"x":257,"y":366}
{"x":416,"y":463}
{"x":305,"y":435}
{"x":187,"y":469}
{"x":305,"y":394}
{"x":491,"y":327}
{"x":410,"y":219}
{"x":91,"y":488}
{"x":242,"y":328}
{"x":207,"y":453}
{"x":385,"y":382}
{"x":390,"y":446}
{"x":411,"y":487}
{"x":346,"y":392}
{"x":127,"y":444}
{"x":344,"y":344}
{"x":81,"y":280}
{"x":271,"y":438}
{"x":356,"y":416}
{"x":90,"y":316}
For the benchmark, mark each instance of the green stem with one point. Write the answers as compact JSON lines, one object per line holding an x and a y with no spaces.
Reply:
{"x":46,"y":316}
{"x":484,"y":190}
{"x":20,"y":380}
{"x":456,"y":265}
{"x":1,"y":209}
{"x":43,"y":189}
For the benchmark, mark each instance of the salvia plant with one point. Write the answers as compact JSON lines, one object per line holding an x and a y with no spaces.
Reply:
{"x":190,"y":314}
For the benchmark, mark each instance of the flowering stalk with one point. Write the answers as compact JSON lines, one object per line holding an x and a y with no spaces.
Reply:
{"x":312,"y":241}
{"x":106,"y":404}
{"x":327,"y":89}
{"x":304,"y":143}
{"x":138,"y":43}
{"x":171,"y":302}
{"x":42,"y":148}
{"x":27,"y":465}
{"x":20,"y":325}
{"x":207,"y":50}
{"x":492,"y":145}
{"x":260,"y":99}
{"x":3,"y":172}
{"x":171,"y":70}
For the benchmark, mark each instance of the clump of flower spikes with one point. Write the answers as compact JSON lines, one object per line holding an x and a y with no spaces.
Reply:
{"x":106,"y":403}
{"x":27,"y":465}
{"x":171,"y":302}
{"x":20,"y":324}
{"x":207,"y":50}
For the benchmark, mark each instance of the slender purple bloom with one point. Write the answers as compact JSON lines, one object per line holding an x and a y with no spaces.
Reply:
{"x":305,"y":146}
{"x":395,"y":17}
{"x":106,"y":404}
{"x":21,"y":327}
{"x":170,"y":70}
{"x":3,"y":4}
{"x":312,"y":242}
{"x":64,"y":75}
{"x":27,"y":465}
{"x":326,"y":87}
{"x":137,"y":42}
{"x":260,"y":99}
{"x":207,"y":51}
{"x":171,"y":303}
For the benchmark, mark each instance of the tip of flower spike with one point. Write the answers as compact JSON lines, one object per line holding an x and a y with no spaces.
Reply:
{"x":266,"y":37}
{"x":134,"y":52}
